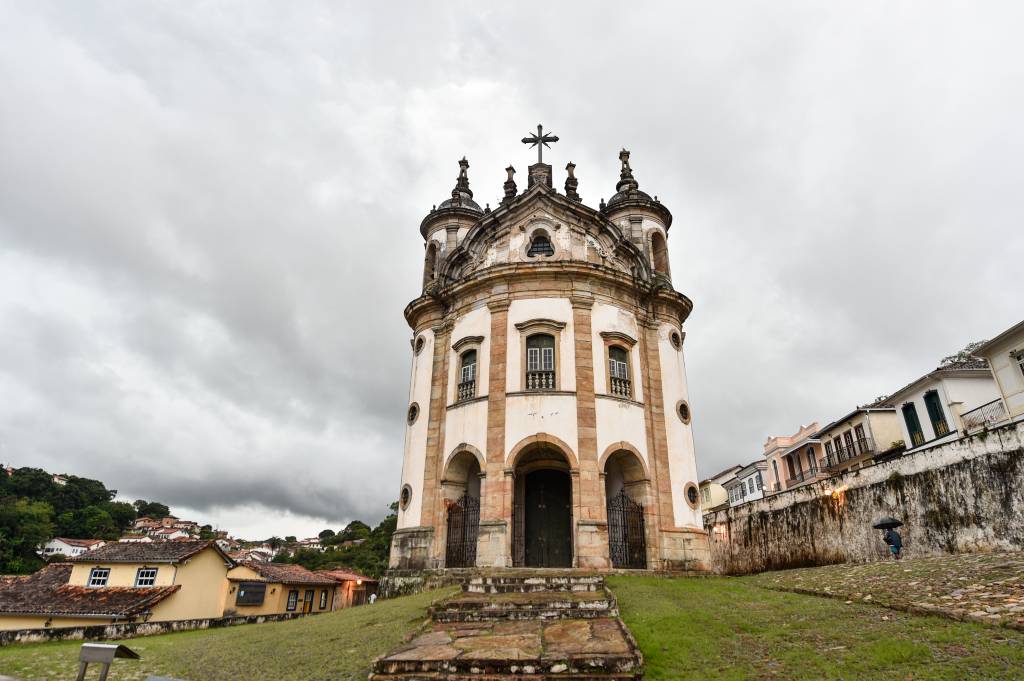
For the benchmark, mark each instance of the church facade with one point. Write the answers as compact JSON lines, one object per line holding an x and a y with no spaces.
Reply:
{"x":549,"y":423}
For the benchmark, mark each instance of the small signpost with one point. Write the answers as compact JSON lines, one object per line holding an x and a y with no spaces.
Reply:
{"x":104,"y":654}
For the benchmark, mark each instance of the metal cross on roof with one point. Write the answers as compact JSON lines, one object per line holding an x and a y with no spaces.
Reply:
{"x":540,"y":140}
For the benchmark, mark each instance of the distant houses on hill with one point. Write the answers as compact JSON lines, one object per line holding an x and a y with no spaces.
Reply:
{"x":981,"y":387}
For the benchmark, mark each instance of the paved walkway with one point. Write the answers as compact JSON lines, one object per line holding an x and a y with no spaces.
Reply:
{"x":982,"y":587}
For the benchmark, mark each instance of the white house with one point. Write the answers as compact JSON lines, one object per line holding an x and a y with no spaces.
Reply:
{"x":70,"y":547}
{"x":136,"y":539}
{"x":748,"y":485}
{"x":931,"y":408}
{"x":1005,"y":356}
{"x":168,"y":534}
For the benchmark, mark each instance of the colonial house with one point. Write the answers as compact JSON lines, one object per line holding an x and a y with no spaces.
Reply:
{"x":858,"y":438}
{"x":794,"y":459}
{"x":278,"y":588}
{"x":312,"y":544}
{"x":65,"y":546}
{"x":748,"y":485}
{"x":121,"y":582}
{"x":168,"y":534}
{"x":712,"y":490}
{"x":1005,"y":356}
{"x":931,"y":407}
{"x":136,"y":539}
{"x":353,"y":588}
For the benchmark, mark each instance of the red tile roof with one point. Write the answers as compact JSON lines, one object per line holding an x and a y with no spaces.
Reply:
{"x":155,"y":552}
{"x":47,"y":592}
{"x":286,"y":573}
{"x":79,"y":542}
{"x":345,"y":576}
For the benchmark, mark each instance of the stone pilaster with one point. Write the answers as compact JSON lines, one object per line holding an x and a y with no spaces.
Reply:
{"x":658,"y":510}
{"x":494,"y":543}
{"x":433,"y":506}
{"x":589,"y":513}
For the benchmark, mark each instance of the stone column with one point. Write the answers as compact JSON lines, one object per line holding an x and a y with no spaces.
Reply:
{"x":494,"y":542}
{"x":433,"y":505}
{"x":589,"y":513}
{"x":658,"y":510}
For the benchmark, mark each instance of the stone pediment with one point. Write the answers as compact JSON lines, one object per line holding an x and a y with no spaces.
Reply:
{"x":575,"y":232}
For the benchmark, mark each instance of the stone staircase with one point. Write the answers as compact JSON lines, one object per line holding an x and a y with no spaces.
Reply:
{"x":520,"y":625}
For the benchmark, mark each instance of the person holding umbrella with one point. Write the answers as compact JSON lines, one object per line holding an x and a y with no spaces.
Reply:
{"x":891,"y":536}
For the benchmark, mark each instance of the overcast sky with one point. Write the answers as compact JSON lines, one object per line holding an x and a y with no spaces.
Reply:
{"x":209,"y":216}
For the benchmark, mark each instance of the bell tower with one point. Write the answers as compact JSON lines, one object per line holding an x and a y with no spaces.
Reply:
{"x":549,"y":422}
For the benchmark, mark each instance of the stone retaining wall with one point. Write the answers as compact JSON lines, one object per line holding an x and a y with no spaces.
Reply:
{"x":963,"y":496}
{"x":111,"y":632}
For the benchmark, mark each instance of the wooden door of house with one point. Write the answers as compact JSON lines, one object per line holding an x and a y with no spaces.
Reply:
{"x":307,"y":602}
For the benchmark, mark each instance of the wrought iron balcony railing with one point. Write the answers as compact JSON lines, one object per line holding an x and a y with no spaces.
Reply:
{"x":467,"y":390}
{"x":621,"y":387}
{"x":540,"y":380}
{"x":984,"y":416}
{"x":861,"y":447}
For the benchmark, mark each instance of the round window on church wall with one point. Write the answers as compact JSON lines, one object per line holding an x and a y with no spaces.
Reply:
{"x":677,"y":340}
{"x":692,"y":495}
{"x":405,"y":497}
{"x":683,"y":410}
{"x":414,"y":411}
{"x":418,"y":347}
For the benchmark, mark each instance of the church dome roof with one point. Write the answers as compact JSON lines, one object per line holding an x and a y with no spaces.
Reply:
{"x":462,"y":195}
{"x":628,"y":193}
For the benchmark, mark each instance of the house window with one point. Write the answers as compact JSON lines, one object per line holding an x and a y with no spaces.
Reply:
{"x":838,"y":444}
{"x":858,"y":432}
{"x":145,"y":576}
{"x":750,"y":485}
{"x":618,"y":370}
{"x":759,"y":480}
{"x":848,"y":439}
{"x":99,"y":576}
{"x":705,"y":495}
{"x":540,"y":362}
{"x":251,"y":593}
{"x":775,"y":469}
{"x":913,"y":424}
{"x":935,"y":413}
{"x":293,"y":600}
{"x":467,"y":375}
{"x":812,"y":464}
{"x":1020,"y":361}
{"x":323,"y":599}
{"x":540,"y":244}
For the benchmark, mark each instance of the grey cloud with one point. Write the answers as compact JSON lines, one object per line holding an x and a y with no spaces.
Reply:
{"x":208,"y":216}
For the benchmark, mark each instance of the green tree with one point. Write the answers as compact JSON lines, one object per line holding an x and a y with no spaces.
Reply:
{"x":24,"y":526}
{"x":290,"y":539}
{"x":326,"y":535}
{"x":122,"y":512}
{"x":151,"y":509}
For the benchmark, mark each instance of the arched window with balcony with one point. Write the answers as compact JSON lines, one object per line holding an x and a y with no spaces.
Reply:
{"x":540,"y":362}
{"x":467,"y":375}
{"x":618,"y":372}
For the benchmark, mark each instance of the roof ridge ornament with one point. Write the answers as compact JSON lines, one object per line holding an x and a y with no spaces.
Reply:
{"x":510,"y":185}
{"x":462,"y":181}
{"x":571,"y":183}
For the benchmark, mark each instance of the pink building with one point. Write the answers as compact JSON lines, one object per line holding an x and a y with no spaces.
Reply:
{"x":794,"y":460}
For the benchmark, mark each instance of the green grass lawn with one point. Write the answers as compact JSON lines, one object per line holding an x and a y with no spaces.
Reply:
{"x":729,"y":628}
{"x":339,"y":645}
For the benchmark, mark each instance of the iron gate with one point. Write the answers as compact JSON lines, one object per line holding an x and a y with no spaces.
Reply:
{"x":463,"y":523}
{"x":626,"y":537}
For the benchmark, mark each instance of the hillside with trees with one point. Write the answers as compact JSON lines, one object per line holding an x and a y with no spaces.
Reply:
{"x":36,"y":505}
{"x":357,"y":547}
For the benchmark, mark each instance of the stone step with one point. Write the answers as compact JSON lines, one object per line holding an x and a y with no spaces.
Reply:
{"x":477,"y":607}
{"x":572,"y":649}
{"x":445,"y":676}
{"x":532,"y":583}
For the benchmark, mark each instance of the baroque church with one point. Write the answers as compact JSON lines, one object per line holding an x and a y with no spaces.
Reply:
{"x":548,"y":421}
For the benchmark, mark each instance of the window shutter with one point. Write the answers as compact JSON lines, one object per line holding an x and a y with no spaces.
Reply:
{"x":549,"y":359}
{"x":533,"y":359}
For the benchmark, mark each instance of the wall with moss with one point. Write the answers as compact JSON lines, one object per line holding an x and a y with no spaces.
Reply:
{"x":963,"y":496}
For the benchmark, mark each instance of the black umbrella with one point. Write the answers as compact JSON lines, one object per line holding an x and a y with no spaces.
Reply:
{"x":887,"y":523}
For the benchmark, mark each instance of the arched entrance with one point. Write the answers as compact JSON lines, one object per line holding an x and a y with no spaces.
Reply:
{"x":542,"y":508}
{"x":461,"y":489}
{"x":626,"y":487}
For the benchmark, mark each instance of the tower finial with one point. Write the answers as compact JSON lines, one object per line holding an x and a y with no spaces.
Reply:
{"x":462,"y":181}
{"x":510,"y":185}
{"x":540,"y":140}
{"x":571,"y":183}
{"x":626,"y":180}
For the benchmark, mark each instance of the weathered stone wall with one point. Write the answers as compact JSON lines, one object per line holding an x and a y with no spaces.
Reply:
{"x":963,"y":496}
{"x":112,"y":632}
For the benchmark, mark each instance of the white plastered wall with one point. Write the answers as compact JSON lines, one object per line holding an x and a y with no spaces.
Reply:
{"x":416,"y":434}
{"x":557,"y":309}
{"x":527,"y":415}
{"x":1008,"y":373}
{"x":682,"y":462}
{"x":476,"y":322}
{"x":617,"y":421}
